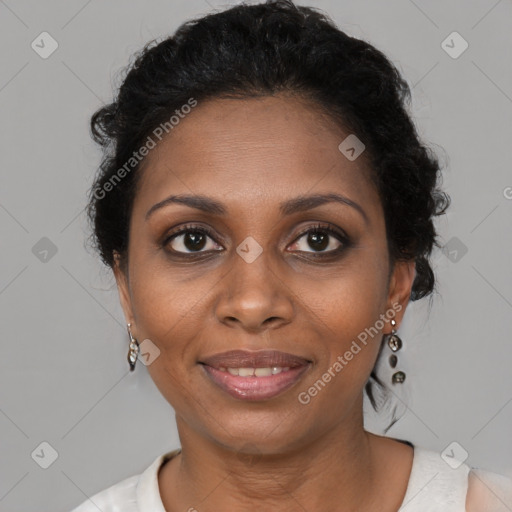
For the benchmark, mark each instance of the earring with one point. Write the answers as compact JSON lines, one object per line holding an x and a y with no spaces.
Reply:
{"x":134,"y":350}
{"x":395,"y":344}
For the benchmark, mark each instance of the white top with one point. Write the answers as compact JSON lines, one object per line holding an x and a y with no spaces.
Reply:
{"x":434,"y":486}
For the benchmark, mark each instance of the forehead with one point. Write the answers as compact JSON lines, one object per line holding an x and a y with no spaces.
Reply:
{"x":253,"y":150}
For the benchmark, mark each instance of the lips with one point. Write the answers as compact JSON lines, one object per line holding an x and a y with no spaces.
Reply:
{"x":245,"y":375}
{"x":261,"y":359}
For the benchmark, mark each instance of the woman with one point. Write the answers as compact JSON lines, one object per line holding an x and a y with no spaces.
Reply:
{"x":267,"y":209}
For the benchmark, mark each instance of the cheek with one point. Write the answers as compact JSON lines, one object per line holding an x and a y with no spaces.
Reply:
{"x":163,"y":298}
{"x":355,"y":334}
{"x":350,"y":340}
{"x":349,"y":306}
{"x":351,"y":297}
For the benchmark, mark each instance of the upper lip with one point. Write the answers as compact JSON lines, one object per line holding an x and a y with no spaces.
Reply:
{"x":259,"y":359}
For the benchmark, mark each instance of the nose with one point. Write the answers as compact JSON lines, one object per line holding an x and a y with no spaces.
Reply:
{"x":254,"y":297}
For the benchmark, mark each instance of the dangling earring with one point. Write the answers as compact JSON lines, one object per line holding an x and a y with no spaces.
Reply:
{"x":134,"y":350}
{"x":395,"y":344}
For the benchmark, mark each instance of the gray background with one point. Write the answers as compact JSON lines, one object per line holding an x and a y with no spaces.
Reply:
{"x":64,"y":378}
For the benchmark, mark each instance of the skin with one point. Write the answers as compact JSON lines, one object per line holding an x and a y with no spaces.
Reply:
{"x":276,"y":454}
{"x":484,"y":494}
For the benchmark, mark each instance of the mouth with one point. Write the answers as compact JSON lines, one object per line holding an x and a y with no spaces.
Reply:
{"x":255,"y":376}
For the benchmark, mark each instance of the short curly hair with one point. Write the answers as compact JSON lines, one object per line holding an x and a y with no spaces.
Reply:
{"x":263,"y":49}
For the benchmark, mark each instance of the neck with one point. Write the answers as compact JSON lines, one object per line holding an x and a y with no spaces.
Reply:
{"x":335,"y":471}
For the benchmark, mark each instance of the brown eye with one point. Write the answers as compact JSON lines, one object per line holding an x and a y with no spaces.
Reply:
{"x":320,"y":239}
{"x":191,"y":240}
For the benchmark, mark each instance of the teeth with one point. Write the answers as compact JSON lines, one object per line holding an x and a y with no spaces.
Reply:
{"x":263,"y":372}
{"x":255,"y":372}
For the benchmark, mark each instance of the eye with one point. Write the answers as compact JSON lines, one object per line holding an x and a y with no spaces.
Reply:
{"x":322,"y":239}
{"x":197,"y":239}
{"x":191,"y":239}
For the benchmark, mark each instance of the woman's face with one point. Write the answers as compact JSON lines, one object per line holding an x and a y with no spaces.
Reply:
{"x":268,"y":276}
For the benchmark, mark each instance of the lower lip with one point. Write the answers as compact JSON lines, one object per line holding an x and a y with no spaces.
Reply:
{"x":255,"y":388}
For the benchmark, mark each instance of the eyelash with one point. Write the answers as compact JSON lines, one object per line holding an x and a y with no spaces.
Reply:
{"x":322,"y":228}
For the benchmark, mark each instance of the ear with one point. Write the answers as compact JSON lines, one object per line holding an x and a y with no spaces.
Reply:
{"x":400,"y":286}
{"x":123,"y":288}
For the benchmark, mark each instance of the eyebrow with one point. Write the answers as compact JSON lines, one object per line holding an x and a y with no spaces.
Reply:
{"x":297,"y":204}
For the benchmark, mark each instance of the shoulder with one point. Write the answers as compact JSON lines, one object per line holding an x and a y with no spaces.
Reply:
{"x":435,"y":481}
{"x":488,"y":491}
{"x":135,"y":493}
{"x":120,"y":496}
{"x":440,"y":481}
